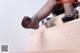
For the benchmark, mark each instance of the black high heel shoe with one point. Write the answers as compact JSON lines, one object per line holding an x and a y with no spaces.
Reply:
{"x":70,"y":18}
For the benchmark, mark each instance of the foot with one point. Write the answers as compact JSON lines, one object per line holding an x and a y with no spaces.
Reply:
{"x":70,"y":18}
{"x":29,"y":23}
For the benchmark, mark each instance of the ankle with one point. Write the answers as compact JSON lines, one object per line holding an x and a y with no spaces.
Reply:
{"x":35,"y":19}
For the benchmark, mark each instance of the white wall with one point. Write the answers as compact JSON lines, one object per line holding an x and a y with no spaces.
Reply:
{"x":11,"y":14}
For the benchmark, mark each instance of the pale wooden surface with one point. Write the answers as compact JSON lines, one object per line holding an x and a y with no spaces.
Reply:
{"x":56,"y":51}
{"x":62,"y":38}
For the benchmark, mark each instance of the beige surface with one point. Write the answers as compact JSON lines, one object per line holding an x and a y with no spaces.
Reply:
{"x":56,"y":51}
{"x":63,"y":38}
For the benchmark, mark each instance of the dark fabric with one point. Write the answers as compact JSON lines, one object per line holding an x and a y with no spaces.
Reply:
{"x":59,"y":9}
